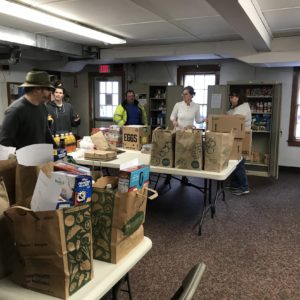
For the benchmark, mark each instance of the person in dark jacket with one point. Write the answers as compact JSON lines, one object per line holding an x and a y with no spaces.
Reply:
{"x":25,"y":120}
{"x":130,"y":112}
{"x":61,"y":113}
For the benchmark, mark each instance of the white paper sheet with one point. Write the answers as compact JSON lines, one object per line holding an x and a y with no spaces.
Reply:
{"x":216,"y":100}
{"x":6,"y":151}
{"x":35,"y":155}
{"x":129,"y":164}
{"x":45,"y":195}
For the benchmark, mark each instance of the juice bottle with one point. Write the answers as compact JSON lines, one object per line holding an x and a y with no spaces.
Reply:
{"x":67,"y":142}
{"x":62,"y":141}
{"x":57,"y":139}
{"x":72,"y":141}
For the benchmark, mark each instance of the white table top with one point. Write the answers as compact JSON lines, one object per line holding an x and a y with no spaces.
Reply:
{"x":106,"y":275}
{"x":145,"y":159}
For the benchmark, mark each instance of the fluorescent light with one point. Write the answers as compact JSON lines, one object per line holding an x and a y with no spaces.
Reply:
{"x":17,"y":36}
{"x":32,"y":15}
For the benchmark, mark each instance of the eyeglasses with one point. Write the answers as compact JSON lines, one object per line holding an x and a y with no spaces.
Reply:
{"x":185,"y":94}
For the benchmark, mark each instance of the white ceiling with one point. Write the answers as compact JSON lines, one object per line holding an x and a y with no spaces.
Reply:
{"x":261,"y":32}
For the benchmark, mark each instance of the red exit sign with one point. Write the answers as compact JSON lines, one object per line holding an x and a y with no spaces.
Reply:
{"x":104,"y":69}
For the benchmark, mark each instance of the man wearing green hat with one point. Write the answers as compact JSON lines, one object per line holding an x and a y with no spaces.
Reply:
{"x":25,"y":120}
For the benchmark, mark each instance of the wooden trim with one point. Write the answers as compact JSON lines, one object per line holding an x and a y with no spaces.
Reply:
{"x":200,"y":69}
{"x":118,"y":70}
{"x":292,"y":141}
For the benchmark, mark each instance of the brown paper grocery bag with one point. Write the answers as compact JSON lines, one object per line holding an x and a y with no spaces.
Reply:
{"x":188,"y":149}
{"x":8,"y":172}
{"x":54,"y":249}
{"x":217,"y":150}
{"x":6,"y":241}
{"x":100,"y":141}
{"x":26,"y":178}
{"x":117,"y":220}
{"x":162,"y":151}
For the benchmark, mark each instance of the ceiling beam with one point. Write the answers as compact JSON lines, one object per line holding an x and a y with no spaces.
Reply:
{"x":15,"y":36}
{"x":247,"y":20}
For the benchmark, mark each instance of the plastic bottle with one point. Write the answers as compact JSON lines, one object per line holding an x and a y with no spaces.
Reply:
{"x":67,"y":142}
{"x":57,"y":139}
{"x":72,"y":141}
{"x":62,"y":141}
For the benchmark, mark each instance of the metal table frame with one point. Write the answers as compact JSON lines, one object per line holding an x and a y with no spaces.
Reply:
{"x":209,"y":202}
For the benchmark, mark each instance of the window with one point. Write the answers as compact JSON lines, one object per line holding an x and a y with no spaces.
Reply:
{"x":294,"y":131}
{"x":108,"y":94}
{"x":108,"y":98}
{"x":199,"y":77}
{"x":200,"y":83}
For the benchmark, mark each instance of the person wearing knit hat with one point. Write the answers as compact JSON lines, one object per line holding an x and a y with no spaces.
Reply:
{"x":25,"y":120}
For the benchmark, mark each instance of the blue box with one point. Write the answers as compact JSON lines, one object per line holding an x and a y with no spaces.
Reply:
{"x":133,"y":178}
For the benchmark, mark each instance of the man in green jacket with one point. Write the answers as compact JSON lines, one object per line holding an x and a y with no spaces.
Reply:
{"x":130,"y":112}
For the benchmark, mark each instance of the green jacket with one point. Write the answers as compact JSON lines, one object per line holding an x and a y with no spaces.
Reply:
{"x":120,"y":115}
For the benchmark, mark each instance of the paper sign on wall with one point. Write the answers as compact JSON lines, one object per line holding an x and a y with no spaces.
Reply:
{"x":216,"y":100}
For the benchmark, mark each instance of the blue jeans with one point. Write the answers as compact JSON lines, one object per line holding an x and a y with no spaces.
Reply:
{"x":238,"y":178}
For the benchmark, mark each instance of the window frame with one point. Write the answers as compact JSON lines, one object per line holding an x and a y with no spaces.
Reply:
{"x":197,"y":69}
{"x":98,"y":80}
{"x":292,"y":140}
{"x":117,"y":70}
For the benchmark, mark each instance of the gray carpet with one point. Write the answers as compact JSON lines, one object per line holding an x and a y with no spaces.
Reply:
{"x":251,"y":248}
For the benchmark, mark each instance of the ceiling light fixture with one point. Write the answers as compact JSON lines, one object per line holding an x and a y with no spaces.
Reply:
{"x":39,"y":17}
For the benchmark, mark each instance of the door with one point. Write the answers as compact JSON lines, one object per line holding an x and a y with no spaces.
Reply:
{"x":275,"y":131}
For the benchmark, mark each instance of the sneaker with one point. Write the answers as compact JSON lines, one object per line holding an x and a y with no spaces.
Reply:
{"x":231,"y":188}
{"x":240,"y":192}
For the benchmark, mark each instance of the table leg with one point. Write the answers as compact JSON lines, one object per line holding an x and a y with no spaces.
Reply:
{"x":206,"y":194}
{"x":220,"y":194}
{"x":117,"y":288}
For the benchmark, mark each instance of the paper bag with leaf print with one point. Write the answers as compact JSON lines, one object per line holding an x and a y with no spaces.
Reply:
{"x":54,"y":249}
{"x":117,"y":221}
{"x":188,"y":149}
{"x":163,"y":148}
{"x":217,"y":150}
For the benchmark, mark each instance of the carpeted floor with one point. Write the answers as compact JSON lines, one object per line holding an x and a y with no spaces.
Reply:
{"x":251,"y":248}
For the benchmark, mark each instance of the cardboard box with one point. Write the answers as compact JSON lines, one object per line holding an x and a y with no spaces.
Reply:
{"x":133,"y":179}
{"x":100,"y":155}
{"x":247,"y":143}
{"x":225,"y":123}
{"x":76,"y":189}
{"x":135,"y":136}
{"x":236,"y":152}
{"x":59,"y":154}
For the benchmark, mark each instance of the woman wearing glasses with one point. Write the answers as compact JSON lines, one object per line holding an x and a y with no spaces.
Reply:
{"x":186,"y":112}
{"x":183,"y":115}
{"x":62,"y":113}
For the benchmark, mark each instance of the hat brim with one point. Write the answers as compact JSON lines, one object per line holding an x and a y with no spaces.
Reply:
{"x":26,"y":84}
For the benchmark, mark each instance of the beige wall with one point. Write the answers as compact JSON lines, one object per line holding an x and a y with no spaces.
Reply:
{"x":164,"y":72}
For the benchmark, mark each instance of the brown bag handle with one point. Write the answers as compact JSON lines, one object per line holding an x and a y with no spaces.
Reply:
{"x":153,"y":196}
{"x":25,"y":210}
